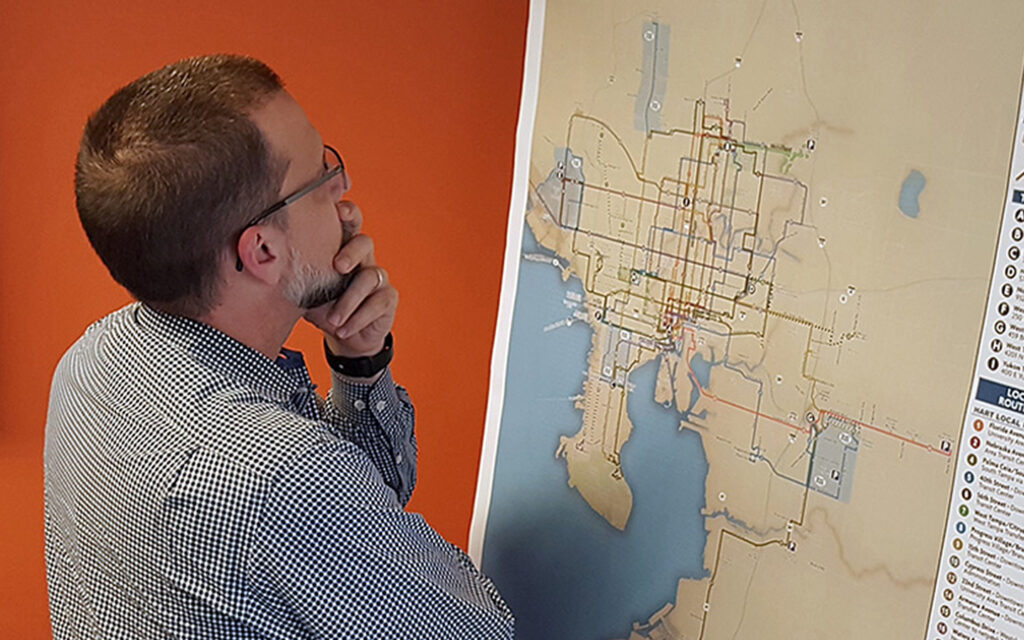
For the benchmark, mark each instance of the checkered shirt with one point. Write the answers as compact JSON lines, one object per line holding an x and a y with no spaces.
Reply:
{"x":197,"y":489}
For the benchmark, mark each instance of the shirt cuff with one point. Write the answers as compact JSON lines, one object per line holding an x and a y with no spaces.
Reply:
{"x":367,"y":404}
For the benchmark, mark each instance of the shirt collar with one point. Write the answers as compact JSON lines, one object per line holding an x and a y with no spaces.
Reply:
{"x":275,"y":380}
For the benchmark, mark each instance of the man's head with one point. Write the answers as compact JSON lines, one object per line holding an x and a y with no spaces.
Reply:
{"x":170,"y":168}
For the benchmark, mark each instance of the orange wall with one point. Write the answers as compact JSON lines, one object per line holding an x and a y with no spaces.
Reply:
{"x":420,"y":97}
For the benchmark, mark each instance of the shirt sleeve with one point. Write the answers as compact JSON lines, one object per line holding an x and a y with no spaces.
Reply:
{"x":337,"y":552}
{"x":380,"y":420}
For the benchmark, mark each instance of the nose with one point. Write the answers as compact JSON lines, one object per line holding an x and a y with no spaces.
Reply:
{"x":339,"y":185}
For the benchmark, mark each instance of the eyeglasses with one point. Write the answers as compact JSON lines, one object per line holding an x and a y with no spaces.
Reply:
{"x":333,"y":167}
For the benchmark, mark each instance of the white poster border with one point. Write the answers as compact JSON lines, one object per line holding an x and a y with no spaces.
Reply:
{"x":509,"y":278}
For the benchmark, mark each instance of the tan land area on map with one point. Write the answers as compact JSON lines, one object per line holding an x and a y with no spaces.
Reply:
{"x":751,"y":219}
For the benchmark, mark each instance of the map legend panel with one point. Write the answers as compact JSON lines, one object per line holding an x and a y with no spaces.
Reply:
{"x":979,"y":590}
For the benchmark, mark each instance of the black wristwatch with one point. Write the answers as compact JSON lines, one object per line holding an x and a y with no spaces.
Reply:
{"x":363,"y":366}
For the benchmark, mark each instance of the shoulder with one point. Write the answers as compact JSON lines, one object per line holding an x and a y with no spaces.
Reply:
{"x":88,"y":348}
{"x":115,"y":355}
{"x":144,"y":393}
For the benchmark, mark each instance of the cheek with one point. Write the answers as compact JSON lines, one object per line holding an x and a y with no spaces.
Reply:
{"x":319,"y":237}
{"x":331,"y":235}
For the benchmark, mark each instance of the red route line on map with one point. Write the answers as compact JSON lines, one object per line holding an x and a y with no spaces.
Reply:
{"x":927,"y":447}
{"x":821,"y":413}
{"x":709,"y":395}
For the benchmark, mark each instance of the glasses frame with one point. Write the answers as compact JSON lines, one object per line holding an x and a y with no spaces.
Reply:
{"x":304,"y":191}
{"x":290,"y":199}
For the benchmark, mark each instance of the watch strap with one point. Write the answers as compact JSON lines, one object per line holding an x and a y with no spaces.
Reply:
{"x":362,"y":366}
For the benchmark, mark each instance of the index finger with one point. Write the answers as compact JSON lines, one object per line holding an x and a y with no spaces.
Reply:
{"x":356,"y":251}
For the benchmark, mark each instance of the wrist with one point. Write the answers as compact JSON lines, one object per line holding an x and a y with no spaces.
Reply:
{"x":363,"y":367}
{"x":341,"y":350}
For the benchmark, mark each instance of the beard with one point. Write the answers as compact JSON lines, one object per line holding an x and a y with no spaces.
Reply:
{"x":309,"y":287}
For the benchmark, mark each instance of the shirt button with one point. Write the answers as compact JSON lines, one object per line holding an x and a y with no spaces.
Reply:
{"x":382,"y":405}
{"x":398,"y":459}
{"x":359,"y":404}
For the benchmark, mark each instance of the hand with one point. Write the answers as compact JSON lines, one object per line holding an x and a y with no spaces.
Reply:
{"x":357,"y":322}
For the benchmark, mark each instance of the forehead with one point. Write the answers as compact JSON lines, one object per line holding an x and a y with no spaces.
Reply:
{"x":291,"y":136}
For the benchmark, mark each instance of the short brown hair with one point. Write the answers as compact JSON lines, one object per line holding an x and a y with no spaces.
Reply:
{"x":169,"y":169}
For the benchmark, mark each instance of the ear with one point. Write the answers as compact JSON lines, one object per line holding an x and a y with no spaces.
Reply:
{"x":261,"y":253}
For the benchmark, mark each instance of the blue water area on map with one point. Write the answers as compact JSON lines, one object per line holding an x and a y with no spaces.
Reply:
{"x":650,"y":98}
{"x":700,"y":368}
{"x":910,"y":193}
{"x":562,"y":568}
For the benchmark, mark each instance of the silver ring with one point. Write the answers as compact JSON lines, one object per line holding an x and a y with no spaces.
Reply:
{"x":380,"y":278}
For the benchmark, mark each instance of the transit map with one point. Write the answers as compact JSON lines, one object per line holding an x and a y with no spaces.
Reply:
{"x":746,"y":283}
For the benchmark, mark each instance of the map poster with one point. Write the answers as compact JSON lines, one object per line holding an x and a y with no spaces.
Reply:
{"x":757,"y":298}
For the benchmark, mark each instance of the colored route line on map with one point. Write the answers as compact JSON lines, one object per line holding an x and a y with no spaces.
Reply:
{"x":684,"y":259}
{"x":633,"y":245}
{"x":707,"y":128}
{"x":926,"y":447}
{"x":699,"y":137}
{"x":821,"y":412}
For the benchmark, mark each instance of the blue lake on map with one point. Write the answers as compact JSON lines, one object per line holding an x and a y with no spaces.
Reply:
{"x":910,"y":193}
{"x":562,"y":568}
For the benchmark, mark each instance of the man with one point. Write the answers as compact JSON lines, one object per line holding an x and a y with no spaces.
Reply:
{"x":196,"y":485}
